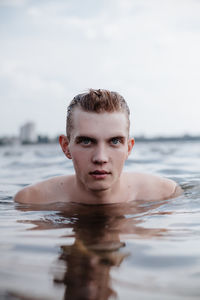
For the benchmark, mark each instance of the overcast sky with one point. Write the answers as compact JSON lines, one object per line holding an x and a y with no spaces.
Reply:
{"x":147,"y":50}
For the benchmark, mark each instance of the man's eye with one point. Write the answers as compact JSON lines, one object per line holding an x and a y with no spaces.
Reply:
{"x":85,"y":141}
{"x":115,"y":141}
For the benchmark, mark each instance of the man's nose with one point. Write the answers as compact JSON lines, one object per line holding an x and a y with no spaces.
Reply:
{"x":100,"y":155}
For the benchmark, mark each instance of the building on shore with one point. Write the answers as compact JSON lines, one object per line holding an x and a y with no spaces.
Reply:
{"x":28,"y":133}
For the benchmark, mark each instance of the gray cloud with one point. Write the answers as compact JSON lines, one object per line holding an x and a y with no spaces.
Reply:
{"x":147,"y":50}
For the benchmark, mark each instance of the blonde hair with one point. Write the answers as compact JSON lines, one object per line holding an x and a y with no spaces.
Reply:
{"x":96,"y":101}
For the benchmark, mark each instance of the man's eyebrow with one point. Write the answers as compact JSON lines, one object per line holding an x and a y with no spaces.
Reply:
{"x":120,"y":137}
{"x":80,"y":138}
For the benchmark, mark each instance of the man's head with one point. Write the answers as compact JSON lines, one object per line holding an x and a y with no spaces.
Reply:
{"x":97,"y":101}
{"x":97,"y":139}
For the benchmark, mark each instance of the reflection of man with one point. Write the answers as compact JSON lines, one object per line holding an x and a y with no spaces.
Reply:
{"x":95,"y":243}
{"x":98,"y":143}
{"x":91,"y":257}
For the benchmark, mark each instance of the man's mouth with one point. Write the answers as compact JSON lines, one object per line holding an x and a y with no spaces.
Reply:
{"x":99,"y":174}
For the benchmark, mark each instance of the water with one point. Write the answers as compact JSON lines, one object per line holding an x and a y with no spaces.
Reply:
{"x":142,"y":250}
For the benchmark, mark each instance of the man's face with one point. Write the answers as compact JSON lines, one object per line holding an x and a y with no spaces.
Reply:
{"x":99,"y":146}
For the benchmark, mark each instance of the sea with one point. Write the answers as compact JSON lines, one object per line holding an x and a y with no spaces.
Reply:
{"x":141,"y":250}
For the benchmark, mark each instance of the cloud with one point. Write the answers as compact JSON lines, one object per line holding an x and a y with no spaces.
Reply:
{"x":13,"y":3}
{"x":147,"y":50}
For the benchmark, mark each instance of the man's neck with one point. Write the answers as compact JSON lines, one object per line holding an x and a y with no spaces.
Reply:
{"x":105,"y":196}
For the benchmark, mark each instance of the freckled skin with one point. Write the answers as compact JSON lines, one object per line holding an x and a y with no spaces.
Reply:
{"x":99,"y":146}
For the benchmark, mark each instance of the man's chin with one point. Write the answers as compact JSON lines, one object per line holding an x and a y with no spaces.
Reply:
{"x":99,"y":188}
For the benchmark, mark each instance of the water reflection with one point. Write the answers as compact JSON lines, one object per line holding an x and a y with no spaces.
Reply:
{"x":89,"y":260}
{"x":98,"y":234}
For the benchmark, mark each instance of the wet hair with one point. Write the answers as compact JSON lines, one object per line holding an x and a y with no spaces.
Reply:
{"x":96,"y":101}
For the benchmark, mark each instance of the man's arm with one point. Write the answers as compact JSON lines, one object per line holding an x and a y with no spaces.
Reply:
{"x":49,"y":191}
{"x":28,"y":195}
{"x":177,"y":191}
{"x":153,"y":187}
{"x":170,"y":188}
{"x":39,"y":193}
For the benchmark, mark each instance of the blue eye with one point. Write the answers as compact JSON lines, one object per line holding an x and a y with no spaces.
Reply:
{"x":85,"y":141}
{"x":115,"y":141}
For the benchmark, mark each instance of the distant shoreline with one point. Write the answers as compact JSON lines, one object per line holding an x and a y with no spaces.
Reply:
{"x":168,"y":139}
{"x":4,"y":141}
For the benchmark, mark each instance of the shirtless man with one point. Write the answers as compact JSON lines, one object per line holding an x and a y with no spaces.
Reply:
{"x":98,"y":143}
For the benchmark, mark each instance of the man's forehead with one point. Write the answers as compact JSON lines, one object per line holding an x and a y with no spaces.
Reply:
{"x":80,"y":113}
{"x":91,"y":123}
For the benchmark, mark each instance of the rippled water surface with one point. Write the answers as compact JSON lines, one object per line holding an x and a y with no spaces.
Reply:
{"x":143,"y":250}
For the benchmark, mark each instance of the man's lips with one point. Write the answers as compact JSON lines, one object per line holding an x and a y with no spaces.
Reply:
{"x":99,"y":174}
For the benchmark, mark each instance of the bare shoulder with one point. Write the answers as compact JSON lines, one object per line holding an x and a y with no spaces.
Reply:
{"x":152,"y":187}
{"x":48,"y":191}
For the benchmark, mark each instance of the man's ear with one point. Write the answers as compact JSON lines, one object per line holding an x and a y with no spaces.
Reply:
{"x":64,"y":143}
{"x":131,"y":143}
